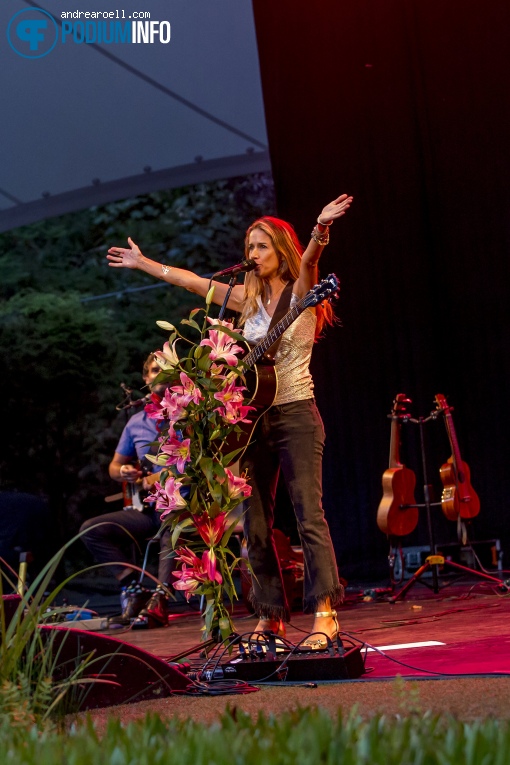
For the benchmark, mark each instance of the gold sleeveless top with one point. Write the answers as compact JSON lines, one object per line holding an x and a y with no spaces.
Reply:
{"x":292,"y":360}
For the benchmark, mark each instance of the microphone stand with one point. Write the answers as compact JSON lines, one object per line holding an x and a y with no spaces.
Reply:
{"x":231,"y":283}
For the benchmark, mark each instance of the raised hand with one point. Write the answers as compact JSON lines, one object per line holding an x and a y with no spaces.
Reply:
{"x":122,"y":257}
{"x":335,"y":209}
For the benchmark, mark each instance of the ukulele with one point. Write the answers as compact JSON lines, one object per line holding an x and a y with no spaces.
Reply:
{"x":395,"y":517}
{"x":458,"y":497}
{"x":259,"y":370}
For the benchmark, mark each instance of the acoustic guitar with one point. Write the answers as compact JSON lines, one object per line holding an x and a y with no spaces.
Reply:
{"x":134,"y":494}
{"x":458,"y":497}
{"x":395,"y":517}
{"x":259,"y":370}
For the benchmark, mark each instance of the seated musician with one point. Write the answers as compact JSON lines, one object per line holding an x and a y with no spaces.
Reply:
{"x":109,"y":543}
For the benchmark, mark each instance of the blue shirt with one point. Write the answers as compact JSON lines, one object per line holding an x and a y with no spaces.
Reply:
{"x":137,"y":436}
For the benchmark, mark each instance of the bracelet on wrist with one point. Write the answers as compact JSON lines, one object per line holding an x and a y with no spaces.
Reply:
{"x":320,"y":237}
{"x":325,"y":225}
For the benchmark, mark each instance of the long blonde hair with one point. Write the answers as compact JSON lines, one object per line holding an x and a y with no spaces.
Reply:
{"x":289,"y":252}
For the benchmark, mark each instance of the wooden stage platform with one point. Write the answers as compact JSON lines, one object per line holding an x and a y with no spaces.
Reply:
{"x":465,"y":629}
{"x":460,"y":636}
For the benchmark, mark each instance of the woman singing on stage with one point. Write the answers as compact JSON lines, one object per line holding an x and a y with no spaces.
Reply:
{"x":289,"y":437}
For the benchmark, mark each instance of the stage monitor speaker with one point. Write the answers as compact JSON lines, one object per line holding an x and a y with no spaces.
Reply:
{"x":131,"y":674}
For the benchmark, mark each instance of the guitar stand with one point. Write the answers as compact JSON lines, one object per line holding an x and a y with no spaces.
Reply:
{"x":434,"y":561}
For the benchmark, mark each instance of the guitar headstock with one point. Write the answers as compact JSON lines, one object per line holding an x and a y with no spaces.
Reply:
{"x":399,"y":411}
{"x":327,"y":288}
{"x":442,"y":404}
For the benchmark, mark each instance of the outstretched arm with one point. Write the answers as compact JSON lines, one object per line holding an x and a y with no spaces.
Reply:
{"x":132,"y":257}
{"x":308,"y":274}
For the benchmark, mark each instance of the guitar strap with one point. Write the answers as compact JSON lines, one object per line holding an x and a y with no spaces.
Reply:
{"x":280,"y":311}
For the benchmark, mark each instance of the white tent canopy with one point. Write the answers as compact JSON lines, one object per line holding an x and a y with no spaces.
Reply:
{"x":88,"y":123}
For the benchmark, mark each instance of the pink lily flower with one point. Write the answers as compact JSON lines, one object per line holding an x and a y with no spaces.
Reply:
{"x":167,"y":497}
{"x":222,"y":347}
{"x":237,"y":486}
{"x":167,"y":358}
{"x":188,"y":391}
{"x":178,"y":452}
{"x":173,"y":406}
{"x":232,"y":413}
{"x":216,"y":369}
{"x":231,"y":393}
{"x":202,"y":571}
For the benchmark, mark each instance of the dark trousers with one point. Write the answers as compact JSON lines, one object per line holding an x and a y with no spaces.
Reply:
{"x":290,"y":438}
{"x":109,"y":542}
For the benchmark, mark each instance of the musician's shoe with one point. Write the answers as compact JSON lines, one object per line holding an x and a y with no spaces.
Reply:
{"x":133,"y":599}
{"x":320,"y":641}
{"x":155,"y":613}
{"x":275,"y":626}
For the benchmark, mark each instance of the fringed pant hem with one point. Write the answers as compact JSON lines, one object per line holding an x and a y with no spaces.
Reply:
{"x":267,"y":611}
{"x":335,"y":595}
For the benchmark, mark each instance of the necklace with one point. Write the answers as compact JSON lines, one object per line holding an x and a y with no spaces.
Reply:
{"x":276,"y":295}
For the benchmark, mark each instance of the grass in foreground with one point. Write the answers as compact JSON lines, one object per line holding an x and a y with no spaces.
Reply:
{"x":302,"y":737}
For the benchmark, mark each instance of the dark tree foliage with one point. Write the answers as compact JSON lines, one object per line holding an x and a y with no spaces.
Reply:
{"x":72,"y":329}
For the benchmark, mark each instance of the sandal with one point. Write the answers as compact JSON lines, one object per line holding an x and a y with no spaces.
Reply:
{"x":268,"y":625}
{"x":324,"y":641}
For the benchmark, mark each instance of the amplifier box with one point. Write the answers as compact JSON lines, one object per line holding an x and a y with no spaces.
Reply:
{"x":412,"y":559}
{"x":486,"y":555}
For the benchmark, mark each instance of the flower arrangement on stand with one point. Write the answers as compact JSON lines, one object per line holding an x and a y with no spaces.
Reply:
{"x":197,"y":493}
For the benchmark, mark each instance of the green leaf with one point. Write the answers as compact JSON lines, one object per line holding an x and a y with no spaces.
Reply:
{"x":206,"y":465}
{"x":178,"y":529}
{"x":191,"y":323}
{"x":204,"y":362}
{"x":229,"y":458}
{"x":219,"y":470}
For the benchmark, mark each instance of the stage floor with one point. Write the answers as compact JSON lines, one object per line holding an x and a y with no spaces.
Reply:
{"x":469,"y":626}
{"x":460,"y":636}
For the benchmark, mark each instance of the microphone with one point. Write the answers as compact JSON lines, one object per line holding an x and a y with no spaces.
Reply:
{"x":131,"y":403}
{"x":145,"y":400}
{"x":245,"y":265}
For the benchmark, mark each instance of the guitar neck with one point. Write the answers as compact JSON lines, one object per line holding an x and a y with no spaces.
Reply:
{"x":458,"y":464}
{"x":395,"y":443}
{"x":279,"y":328}
{"x":452,"y":436}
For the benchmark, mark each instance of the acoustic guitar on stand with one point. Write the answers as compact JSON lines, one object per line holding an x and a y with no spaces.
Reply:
{"x":458,"y":497}
{"x":396,"y":515}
